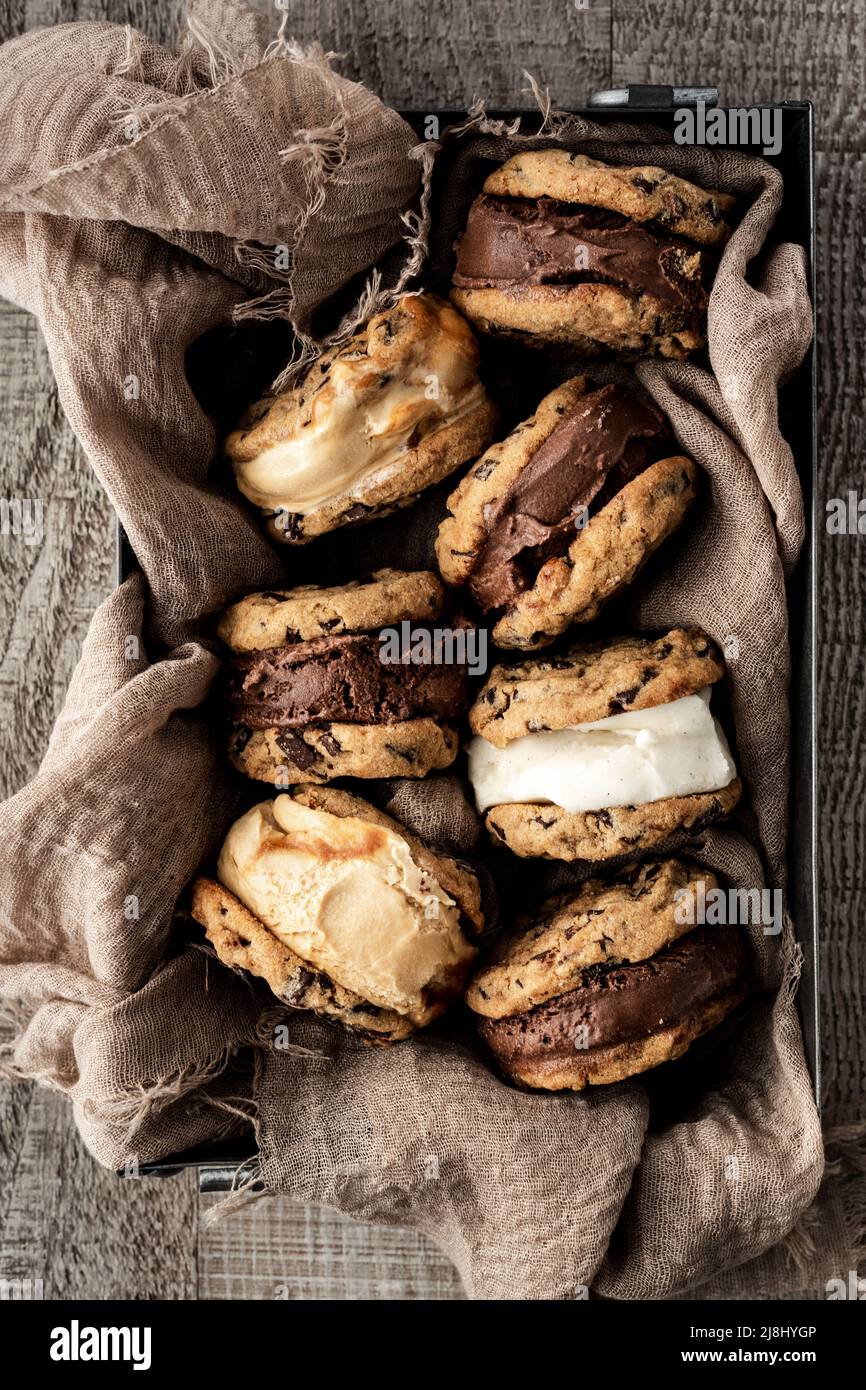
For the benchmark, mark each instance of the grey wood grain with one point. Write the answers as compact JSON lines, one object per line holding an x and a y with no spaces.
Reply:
{"x":842,"y":653}
{"x":49,"y":590}
{"x":61,"y":1218}
{"x":85,"y":1233}
{"x":279,"y":1249}
{"x":416,"y":54}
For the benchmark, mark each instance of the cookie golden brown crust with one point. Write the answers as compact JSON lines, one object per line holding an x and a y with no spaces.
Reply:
{"x":400,"y":483}
{"x":618,"y":1019}
{"x":592,"y":319}
{"x":270,"y":619}
{"x":321,"y":753}
{"x":607,"y":552}
{"x":646,"y":193}
{"x":343,"y":403}
{"x":604,"y":921}
{"x":593,"y":681}
{"x":243,"y":942}
{"x":603,"y":559}
{"x":292,"y":626}
{"x":536,"y":830}
{"x":563,"y":249}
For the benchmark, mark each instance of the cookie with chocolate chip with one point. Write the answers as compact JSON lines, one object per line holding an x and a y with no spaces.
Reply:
{"x":243,"y":942}
{"x":608,"y":921}
{"x":592,"y":681}
{"x":610,"y":750}
{"x":560,"y":248}
{"x":321,"y":753}
{"x":352,"y":681}
{"x":277,"y":616}
{"x":343,"y":911}
{"x":368,"y":426}
{"x":559,"y":517}
{"x":615,"y":1020}
{"x":545,"y":831}
{"x":645,"y":194}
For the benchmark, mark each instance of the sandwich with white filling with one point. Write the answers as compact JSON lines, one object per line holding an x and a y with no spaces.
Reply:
{"x":608,"y":749}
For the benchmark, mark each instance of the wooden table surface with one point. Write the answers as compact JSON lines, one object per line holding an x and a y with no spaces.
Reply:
{"x":93,"y":1236}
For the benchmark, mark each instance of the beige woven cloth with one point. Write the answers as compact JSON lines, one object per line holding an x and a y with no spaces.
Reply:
{"x":144,"y":197}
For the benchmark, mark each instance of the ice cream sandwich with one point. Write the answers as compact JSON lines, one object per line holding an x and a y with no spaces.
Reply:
{"x":368,"y":426}
{"x":609,"y":749}
{"x":342,"y":911}
{"x":358,"y":680}
{"x":560,"y":248}
{"x":608,"y":981}
{"x":559,"y":517}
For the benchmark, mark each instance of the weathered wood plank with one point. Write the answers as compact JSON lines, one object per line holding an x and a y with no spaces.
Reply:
{"x":279,"y":1249}
{"x":752,"y":52}
{"x":440,"y":56}
{"x":86,"y":1233}
{"x":50,"y":588}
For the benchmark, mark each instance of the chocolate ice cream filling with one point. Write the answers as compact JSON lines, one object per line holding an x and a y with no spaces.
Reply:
{"x":510,"y":243}
{"x":339,"y":679}
{"x":606,"y":440}
{"x":626,"y":1003}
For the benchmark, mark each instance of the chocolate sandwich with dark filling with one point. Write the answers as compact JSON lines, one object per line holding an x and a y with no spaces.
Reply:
{"x":566,"y":249}
{"x":557,"y":518}
{"x":608,"y":981}
{"x":359,"y":680}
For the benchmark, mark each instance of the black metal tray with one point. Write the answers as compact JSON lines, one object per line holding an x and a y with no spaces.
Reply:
{"x":797,"y":407}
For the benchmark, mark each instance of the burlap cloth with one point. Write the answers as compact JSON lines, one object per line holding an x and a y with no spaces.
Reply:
{"x":143,"y":196}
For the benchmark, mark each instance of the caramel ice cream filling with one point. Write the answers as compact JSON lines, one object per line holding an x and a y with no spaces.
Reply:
{"x":363,"y":418}
{"x":348,"y":897}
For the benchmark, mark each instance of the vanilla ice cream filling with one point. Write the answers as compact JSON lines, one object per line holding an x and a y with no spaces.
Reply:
{"x":628,"y":759}
{"x":346,"y":896}
{"x":355,"y":435}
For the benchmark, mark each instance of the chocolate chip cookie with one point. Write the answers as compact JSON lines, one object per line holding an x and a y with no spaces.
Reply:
{"x":608,"y":750}
{"x":342,"y":911}
{"x":592,"y":681}
{"x":555,"y":520}
{"x":565,"y":249}
{"x":541,"y":831}
{"x":644,"y":194}
{"x":368,"y":426}
{"x":622,"y":1019}
{"x":321,"y":753}
{"x":275,"y":617}
{"x":614,"y":921}
{"x":315,"y":692}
